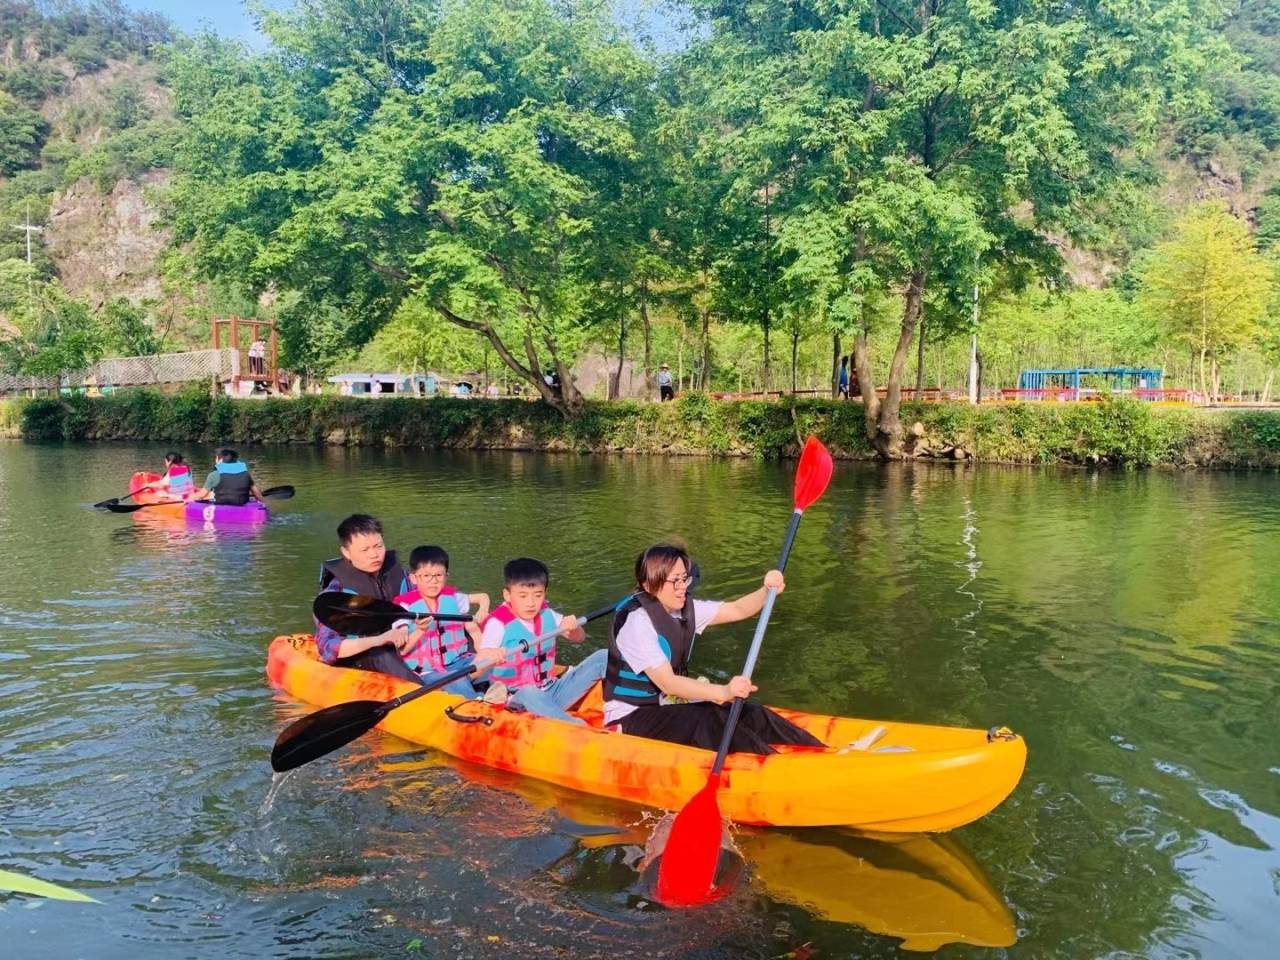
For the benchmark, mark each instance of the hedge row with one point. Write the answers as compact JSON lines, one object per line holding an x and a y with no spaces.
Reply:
{"x":1116,"y":431}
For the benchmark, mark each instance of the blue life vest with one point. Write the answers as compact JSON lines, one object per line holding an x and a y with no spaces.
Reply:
{"x":531,"y":667}
{"x":675,"y":637}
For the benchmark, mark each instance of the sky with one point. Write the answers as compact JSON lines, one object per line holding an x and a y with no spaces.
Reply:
{"x":230,"y":18}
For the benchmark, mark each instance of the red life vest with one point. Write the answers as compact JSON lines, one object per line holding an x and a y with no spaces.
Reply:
{"x":442,"y":644}
{"x":527,"y":663}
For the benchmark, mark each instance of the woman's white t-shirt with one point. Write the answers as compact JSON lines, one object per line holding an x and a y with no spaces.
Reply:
{"x":638,"y":644}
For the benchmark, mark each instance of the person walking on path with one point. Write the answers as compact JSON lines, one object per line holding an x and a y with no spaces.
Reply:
{"x":665,"y":391}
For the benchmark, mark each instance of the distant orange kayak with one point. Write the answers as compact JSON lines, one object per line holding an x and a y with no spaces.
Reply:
{"x":165,"y":503}
{"x":899,"y":778}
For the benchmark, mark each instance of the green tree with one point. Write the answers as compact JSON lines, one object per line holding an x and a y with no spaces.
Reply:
{"x":127,"y":330}
{"x":22,"y":130}
{"x":457,"y":153}
{"x":418,"y":338}
{"x":1209,"y":286}
{"x":938,"y":131}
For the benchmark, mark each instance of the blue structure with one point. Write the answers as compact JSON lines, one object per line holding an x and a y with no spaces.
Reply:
{"x":1115,"y":379}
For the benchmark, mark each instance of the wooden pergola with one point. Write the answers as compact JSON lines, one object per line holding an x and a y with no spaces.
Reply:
{"x":233,"y":326}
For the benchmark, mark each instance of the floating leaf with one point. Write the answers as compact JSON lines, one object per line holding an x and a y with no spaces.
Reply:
{"x":39,"y":888}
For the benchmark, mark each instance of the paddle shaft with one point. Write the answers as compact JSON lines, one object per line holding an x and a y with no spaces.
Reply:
{"x":757,"y":642}
{"x":464,"y":671}
{"x":276,"y":493}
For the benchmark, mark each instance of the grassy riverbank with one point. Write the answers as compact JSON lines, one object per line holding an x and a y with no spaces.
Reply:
{"x":1119,"y":431}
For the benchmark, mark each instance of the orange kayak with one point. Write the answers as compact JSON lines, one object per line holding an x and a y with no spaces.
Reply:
{"x":900,"y":778}
{"x":165,"y":504}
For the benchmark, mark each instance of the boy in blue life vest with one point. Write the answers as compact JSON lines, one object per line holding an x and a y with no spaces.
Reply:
{"x":230,"y":481}
{"x":440,"y":648}
{"x":529,"y":674}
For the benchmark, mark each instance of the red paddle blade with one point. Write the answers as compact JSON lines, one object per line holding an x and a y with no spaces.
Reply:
{"x":688,"y":868}
{"x":813,"y":474}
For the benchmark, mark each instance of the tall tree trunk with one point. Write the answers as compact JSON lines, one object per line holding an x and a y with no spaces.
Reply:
{"x":680,"y":360}
{"x":615,"y":387}
{"x":888,"y":435}
{"x":765,"y":385}
{"x":795,"y":356}
{"x":706,"y":333}
{"x":648,"y":339}
{"x":567,"y":401}
{"x":920,"y":357}
{"x":1266,"y":387}
{"x":835,"y":364}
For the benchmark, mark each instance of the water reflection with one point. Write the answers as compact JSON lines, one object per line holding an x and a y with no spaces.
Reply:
{"x":1128,"y":624}
{"x":922,"y":890}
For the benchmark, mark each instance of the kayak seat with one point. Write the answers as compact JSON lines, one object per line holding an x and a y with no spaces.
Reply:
{"x":866,"y":741}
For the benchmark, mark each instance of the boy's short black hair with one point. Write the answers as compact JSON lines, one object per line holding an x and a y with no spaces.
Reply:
{"x":424,"y":556}
{"x":229,"y":455}
{"x":358,"y":523}
{"x":173,"y":458}
{"x":525,"y":572}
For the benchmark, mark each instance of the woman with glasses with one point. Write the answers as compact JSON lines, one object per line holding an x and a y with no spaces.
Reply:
{"x":647,"y":690}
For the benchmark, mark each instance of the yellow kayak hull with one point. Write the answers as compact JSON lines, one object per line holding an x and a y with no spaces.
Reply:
{"x":915,"y":779}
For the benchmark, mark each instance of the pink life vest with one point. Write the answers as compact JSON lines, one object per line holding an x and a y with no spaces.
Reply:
{"x":527,"y":663}
{"x":180,"y":483}
{"x":442,"y":645}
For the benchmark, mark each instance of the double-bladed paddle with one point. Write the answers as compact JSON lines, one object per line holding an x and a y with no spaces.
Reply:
{"x":355,"y":615}
{"x":271,"y":493}
{"x":687,"y":873}
{"x":114,"y":501}
{"x":326,"y":730}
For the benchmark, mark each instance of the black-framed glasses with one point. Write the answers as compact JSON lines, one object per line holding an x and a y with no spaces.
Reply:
{"x":681,"y":580}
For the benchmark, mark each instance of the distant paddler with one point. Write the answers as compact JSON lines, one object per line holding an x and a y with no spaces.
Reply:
{"x":230,"y":482}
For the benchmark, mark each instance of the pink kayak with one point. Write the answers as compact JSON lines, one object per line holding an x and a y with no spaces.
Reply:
{"x":215,"y":513}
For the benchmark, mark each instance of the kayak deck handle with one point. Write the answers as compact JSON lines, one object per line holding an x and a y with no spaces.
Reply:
{"x":452,"y":712}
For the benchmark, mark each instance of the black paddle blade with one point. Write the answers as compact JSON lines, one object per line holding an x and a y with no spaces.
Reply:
{"x":354,"y":615}
{"x":324,"y":731}
{"x":133,"y":507}
{"x":278,"y":493}
{"x":103,"y":504}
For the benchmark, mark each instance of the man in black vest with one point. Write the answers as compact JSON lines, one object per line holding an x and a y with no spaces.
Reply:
{"x":230,"y":482}
{"x":368,"y":568}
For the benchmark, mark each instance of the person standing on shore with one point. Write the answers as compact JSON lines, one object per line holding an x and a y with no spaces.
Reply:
{"x":257,"y":356}
{"x":665,"y":391}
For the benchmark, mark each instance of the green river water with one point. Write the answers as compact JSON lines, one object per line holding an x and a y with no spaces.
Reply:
{"x":1128,"y":624}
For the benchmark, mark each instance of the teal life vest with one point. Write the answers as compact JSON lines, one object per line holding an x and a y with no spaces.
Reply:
{"x":527,"y":663}
{"x":675,"y":637}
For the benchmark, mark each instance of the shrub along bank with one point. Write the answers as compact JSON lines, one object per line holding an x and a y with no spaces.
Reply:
{"x":1115,"y":431}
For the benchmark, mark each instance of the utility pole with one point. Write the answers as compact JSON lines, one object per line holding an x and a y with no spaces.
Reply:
{"x":29,"y":229}
{"x":973,"y":343}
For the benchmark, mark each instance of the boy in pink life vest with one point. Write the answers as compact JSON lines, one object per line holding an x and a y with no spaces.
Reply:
{"x":442,"y":647}
{"x":523,"y":616}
